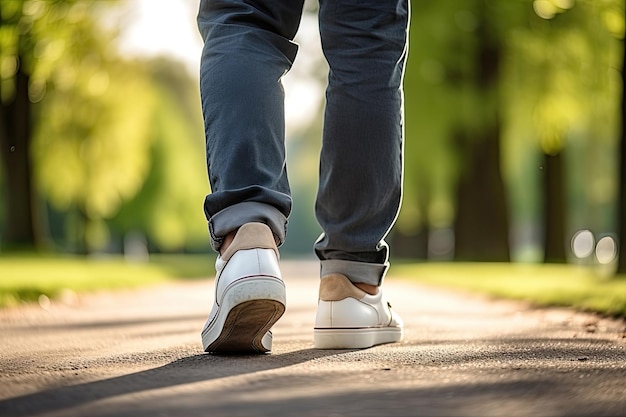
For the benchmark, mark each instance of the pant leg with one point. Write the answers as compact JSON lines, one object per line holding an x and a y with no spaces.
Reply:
{"x":361,"y":166}
{"x":247,"y":49}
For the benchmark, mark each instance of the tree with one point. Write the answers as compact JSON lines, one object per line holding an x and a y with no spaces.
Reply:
{"x":557,"y":113}
{"x":585,"y":46}
{"x":527,"y":82}
{"x":453,"y":174}
{"x":38,"y":40}
{"x":427,"y":166}
{"x":168,"y":206}
{"x":560,"y":100}
{"x":91,"y":159}
{"x":481,"y":225}
{"x":16,"y":110}
{"x":74,"y":123}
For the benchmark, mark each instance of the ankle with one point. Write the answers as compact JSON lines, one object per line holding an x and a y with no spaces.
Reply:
{"x":228,"y":239}
{"x":368,"y":288}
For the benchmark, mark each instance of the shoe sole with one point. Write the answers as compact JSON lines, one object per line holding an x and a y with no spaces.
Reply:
{"x":357,"y":338}
{"x":248,"y":309}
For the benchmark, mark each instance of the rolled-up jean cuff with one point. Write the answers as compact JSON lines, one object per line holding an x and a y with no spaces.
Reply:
{"x":233,"y":217}
{"x":367,"y":273}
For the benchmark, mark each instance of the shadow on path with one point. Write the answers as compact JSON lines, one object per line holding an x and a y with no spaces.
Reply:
{"x":526,"y":376}
{"x":532,"y":396}
{"x":202,"y":367}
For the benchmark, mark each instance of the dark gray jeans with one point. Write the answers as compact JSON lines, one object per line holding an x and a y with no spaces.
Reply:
{"x":248,"y":48}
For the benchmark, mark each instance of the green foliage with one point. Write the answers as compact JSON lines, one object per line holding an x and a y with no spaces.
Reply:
{"x":431,"y":106}
{"x":567,"y":64}
{"x":168,"y":208}
{"x":114,"y":139}
{"x":92,"y":143}
{"x":40,"y":35}
{"x":96,"y":155}
{"x":560,"y":90}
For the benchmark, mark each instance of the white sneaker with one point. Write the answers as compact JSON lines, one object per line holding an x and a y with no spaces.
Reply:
{"x":349,"y":318}
{"x":249,"y":294}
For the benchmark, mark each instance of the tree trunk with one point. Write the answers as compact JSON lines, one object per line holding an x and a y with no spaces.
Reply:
{"x":481,"y":225}
{"x":20,"y":225}
{"x":554,"y":209}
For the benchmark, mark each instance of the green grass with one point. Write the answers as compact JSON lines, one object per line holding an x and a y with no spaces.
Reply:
{"x":542,"y":285}
{"x":185,"y":266}
{"x":25,"y":278}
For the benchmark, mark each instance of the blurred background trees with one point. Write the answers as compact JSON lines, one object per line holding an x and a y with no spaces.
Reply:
{"x":94,"y":145}
{"x":543,"y":77}
{"x":514,"y":115}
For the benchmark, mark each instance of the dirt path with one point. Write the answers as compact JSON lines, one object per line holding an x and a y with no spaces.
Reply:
{"x":138,"y":353}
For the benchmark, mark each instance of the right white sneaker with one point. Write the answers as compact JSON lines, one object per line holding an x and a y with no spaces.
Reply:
{"x":249,"y":294}
{"x":349,"y":318}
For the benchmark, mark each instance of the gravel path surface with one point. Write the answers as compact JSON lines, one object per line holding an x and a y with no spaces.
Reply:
{"x":138,"y":353}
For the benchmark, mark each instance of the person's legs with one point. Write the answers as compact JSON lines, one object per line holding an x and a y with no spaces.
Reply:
{"x":248,"y":48}
{"x":365,"y":43}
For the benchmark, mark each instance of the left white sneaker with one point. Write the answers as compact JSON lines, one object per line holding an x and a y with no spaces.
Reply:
{"x":349,"y":318}
{"x":249,"y":294}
